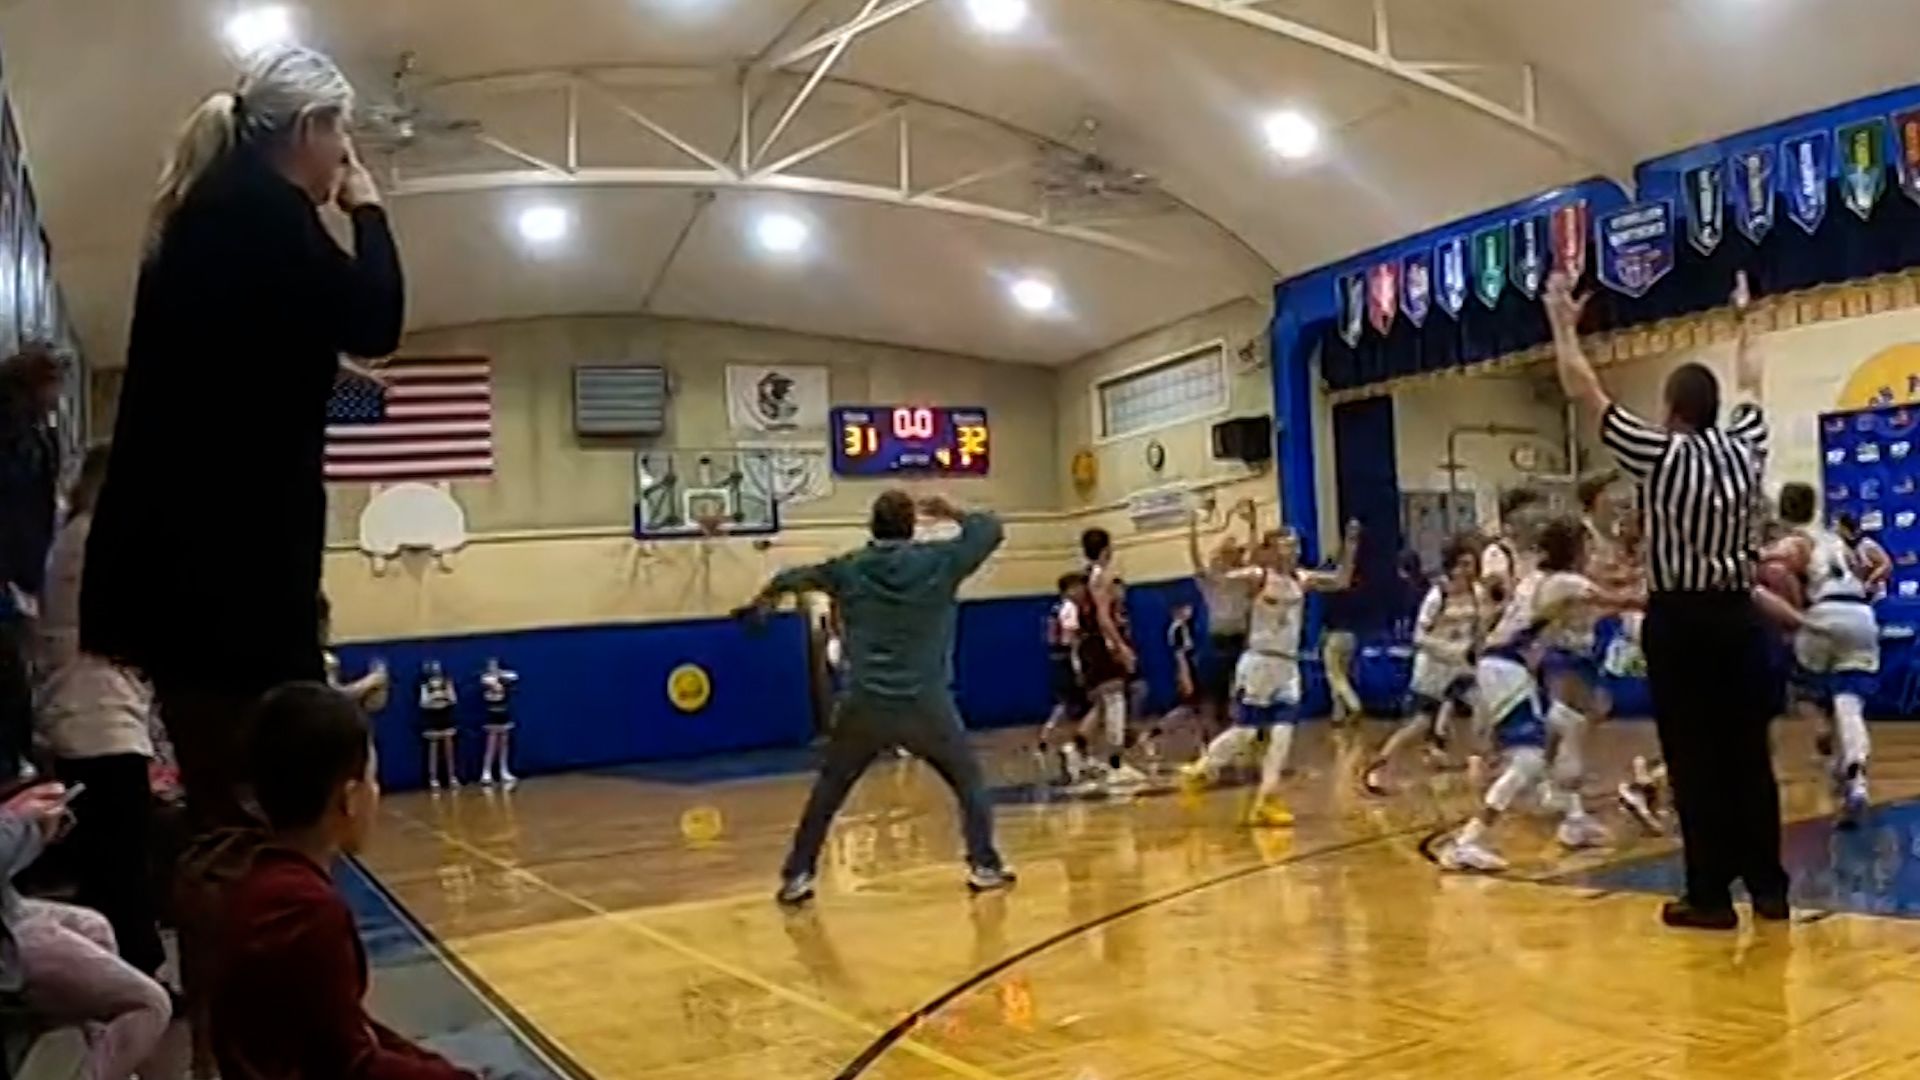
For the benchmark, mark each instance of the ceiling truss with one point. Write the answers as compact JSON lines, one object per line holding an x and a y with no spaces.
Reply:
{"x":755,"y":170}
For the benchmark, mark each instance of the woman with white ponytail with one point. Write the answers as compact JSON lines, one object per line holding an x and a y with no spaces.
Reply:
{"x":203,"y":565}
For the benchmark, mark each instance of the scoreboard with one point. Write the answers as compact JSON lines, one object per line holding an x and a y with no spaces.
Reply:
{"x":877,"y":440}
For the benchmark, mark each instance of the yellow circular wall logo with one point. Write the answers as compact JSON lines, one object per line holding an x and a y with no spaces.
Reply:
{"x":689,"y":688}
{"x":1889,"y":377}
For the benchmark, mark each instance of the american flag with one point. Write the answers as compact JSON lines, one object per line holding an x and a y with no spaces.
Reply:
{"x":433,"y":420}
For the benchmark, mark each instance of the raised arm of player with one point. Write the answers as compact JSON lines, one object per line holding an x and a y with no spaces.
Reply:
{"x":1340,"y":578}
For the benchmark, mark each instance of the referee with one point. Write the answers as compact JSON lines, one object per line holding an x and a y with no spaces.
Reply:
{"x":1704,"y":639}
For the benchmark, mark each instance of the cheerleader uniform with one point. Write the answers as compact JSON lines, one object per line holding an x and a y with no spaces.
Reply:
{"x":436,"y":707}
{"x":496,"y":693}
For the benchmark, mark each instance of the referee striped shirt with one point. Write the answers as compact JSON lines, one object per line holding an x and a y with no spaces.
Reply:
{"x":1699,"y":491}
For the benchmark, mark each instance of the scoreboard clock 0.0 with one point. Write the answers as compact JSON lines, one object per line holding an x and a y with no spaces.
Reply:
{"x":875,"y":440}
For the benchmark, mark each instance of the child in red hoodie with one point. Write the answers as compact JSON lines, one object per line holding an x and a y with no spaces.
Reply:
{"x":291,"y":972}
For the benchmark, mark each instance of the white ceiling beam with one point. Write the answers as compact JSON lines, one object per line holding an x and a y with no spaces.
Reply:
{"x":868,"y":19}
{"x":650,"y":125}
{"x":807,"y":88}
{"x":726,"y":180}
{"x":815,"y":149}
{"x":492,"y":142}
{"x":1412,"y":74}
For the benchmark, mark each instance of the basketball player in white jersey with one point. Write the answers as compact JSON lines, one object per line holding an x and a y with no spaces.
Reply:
{"x":1548,"y":608}
{"x":1446,"y":633}
{"x":1266,"y":683}
{"x":1837,"y":650}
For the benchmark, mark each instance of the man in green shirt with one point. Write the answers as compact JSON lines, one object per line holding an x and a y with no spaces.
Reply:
{"x":897,"y":598}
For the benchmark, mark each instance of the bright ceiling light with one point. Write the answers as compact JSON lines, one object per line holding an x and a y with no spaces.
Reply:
{"x":781,"y":234}
{"x":998,"y":16}
{"x":1291,"y":134}
{"x":256,"y":28}
{"x":544,"y":224}
{"x":1034,"y":295}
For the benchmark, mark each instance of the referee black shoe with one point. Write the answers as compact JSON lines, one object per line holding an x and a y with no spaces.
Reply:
{"x":1684,"y":916}
{"x":1772,"y":908}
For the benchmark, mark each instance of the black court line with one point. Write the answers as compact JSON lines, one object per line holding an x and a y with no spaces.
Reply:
{"x":904,"y":1027}
{"x":515,"y":1021}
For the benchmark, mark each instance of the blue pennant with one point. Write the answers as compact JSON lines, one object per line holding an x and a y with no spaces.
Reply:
{"x":1752,"y":191}
{"x":1808,"y":162}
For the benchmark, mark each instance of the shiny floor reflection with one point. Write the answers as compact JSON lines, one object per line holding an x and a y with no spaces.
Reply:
{"x":627,"y":918}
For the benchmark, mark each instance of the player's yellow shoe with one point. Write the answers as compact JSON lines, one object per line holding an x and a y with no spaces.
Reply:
{"x":1270,"y":813}
{"x":1194,"y":777}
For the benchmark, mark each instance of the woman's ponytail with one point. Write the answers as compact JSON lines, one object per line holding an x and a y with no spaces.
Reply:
{"x":208,"y":136}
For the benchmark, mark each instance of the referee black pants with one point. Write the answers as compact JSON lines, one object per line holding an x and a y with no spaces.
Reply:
{"x":1707,"y":670}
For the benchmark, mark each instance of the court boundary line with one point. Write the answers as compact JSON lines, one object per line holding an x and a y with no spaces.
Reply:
{"x":667,"y":941}
{"x":897,"y":1034}
{"x":543,"y":1047}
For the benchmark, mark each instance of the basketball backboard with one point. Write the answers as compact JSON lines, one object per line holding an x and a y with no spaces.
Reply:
{"x":676,"y":490}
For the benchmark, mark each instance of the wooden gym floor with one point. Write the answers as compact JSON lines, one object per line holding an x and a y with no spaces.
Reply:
{"x":622,"y":925}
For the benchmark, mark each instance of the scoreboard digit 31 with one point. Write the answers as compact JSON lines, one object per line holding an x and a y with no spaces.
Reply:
{"x":879,"y":440}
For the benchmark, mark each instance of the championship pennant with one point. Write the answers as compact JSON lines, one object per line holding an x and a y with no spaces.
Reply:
{"x":1490,"y":264}
{"x":1807,"y":163}
{"x":1351,"y":298}
{"x":1705,"y":189}
{"x":1527,"y":252}
{"x":1636,"y":247}
{"x":1450,"y":260}
{"x":1752,"y":192}
{"x":1383,"y":296}
{"x":1570,"y":227}
{"x":1416,"y":287}
{"x":1863,"y":165}
{"x":1906,"y":132}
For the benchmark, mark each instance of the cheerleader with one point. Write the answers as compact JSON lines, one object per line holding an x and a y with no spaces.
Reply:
{"x":437,"y":699}
{"x":1267,"y":682}
{"x":496,"y":693}
{"x":1452,"y":619}
{"x":1836,"y":651}
{"x":1550,"y":606}
{"x":369,"y":690}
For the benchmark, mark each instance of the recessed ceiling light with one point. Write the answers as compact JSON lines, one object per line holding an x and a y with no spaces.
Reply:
{"x":998,"y":16}
{"x":544,"y":224}
{"x":256,"y":28}
{"x":781,"y":234}
{"x":1291,"y":134}
{"x":1034,"y":295}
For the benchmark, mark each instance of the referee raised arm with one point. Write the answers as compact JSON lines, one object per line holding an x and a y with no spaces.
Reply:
{"x":1704,"y":638}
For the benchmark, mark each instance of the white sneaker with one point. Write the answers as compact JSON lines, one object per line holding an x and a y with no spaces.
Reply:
{"x":1075,"y":763}
{"x":1463,"y":856}
{"x":1125,"y":779}
{"x":1633,"y":799}
{"x":1582,"y":831}
{"x":507,"y":779}
{"x":486,"y":779}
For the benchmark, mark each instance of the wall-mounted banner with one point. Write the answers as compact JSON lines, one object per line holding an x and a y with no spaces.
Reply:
{"x":1350,"y":298}
{"x":1527,"y":250}
{"x":1383,"y":296}
{"x":1752,"y":192}
{"x":1570,"y":231}
{"x":1416,"y":287}
{"x":787,"y":400}
{"x":1490,"y":264}
{"x":1636,"y":247}
{"x":1808,"y":160}
{"x":1450,"y":260}
{"x":1862,"y":150}
{"x":1906,"y":131}
{"x":1705,"y":189}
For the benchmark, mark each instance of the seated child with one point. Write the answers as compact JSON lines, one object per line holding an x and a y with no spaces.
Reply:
{"x":291,"y":971}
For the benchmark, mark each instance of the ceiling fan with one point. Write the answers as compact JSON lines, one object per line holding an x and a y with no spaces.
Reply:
{"x":1077,"y":182}
{"x":400,"y":120}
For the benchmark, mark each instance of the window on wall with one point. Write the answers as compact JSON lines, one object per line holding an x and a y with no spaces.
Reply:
{"x":1184,"y":387}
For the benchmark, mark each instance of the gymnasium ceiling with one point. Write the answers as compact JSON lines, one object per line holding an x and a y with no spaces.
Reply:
{"x":1470,"y":103}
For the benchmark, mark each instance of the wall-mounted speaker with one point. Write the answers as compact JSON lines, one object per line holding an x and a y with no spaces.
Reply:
{"x":1244,"y":438}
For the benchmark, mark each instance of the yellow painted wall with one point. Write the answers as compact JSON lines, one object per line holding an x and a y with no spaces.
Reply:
{"x":1425,"y":414}
{"x":1846,"y":364}
{"x":1122,"y":463}
{"x":552,"y":542}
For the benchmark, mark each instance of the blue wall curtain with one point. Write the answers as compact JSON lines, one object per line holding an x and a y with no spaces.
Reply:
{"x":1367,"y":490}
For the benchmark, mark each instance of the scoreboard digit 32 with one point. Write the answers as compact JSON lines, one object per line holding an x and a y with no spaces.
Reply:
{"x":879,"y":440}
